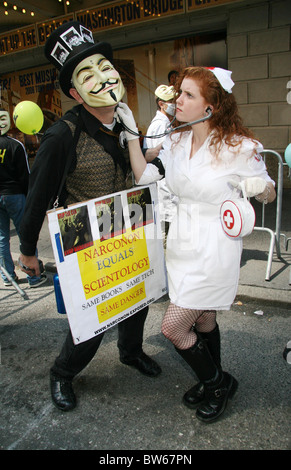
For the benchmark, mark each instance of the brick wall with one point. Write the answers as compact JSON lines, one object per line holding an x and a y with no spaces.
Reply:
{"x":259,"y":53}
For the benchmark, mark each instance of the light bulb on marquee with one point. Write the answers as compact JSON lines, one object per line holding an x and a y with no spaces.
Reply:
{"x":15,"y":8}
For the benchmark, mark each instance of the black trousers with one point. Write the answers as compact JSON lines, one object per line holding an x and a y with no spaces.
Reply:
{"x":74,"y":358}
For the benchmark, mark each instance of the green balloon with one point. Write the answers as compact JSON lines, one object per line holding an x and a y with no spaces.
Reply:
{"x":28,"y":117}
{"x":288,"y":155}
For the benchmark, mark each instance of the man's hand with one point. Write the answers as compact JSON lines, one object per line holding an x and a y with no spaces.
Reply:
{"x":29,"y":265}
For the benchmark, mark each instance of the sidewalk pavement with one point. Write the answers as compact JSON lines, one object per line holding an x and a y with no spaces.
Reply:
{"x":252,"y":283}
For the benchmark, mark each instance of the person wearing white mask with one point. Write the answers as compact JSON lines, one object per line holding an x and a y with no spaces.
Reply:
{"x":207,"y":156}
{"x":160,"y":123}
{"x":14,"y":178}
{"x":165,"y":111}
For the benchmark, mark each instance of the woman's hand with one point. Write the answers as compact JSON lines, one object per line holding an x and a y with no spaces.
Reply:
{"x":263,"y":191}
{"x":125,"y":116}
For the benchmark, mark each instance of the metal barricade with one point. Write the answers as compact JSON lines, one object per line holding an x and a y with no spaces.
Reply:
{"x":274,"y":236}
{"x":283,"y":234}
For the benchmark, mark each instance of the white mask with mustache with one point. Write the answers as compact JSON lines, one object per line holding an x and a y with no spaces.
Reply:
{"x":4,"y":122}
{"x":98,"y":82}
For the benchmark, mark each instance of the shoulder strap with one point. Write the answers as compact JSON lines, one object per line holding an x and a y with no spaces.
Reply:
{"x":69,"y":159}
{"x":158,"y":163}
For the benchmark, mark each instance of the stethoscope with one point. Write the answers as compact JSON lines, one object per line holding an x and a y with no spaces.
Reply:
{"x":169,"y":128}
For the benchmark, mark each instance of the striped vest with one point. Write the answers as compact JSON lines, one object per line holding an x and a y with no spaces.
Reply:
{"x":95,"y":174}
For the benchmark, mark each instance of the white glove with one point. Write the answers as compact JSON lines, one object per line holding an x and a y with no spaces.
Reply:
{"x":125,"y":116}
{"x":253,"y":186}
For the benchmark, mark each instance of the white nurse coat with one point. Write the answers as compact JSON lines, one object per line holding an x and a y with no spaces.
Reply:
{"x":203,"y":263}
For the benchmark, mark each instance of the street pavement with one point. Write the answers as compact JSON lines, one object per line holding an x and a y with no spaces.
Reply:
{"x":121,"y":410}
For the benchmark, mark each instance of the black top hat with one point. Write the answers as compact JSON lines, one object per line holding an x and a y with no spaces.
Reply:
{"x":68,"y":45}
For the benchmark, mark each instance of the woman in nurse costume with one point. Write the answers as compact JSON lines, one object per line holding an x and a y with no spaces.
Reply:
{"x":204,"y":164}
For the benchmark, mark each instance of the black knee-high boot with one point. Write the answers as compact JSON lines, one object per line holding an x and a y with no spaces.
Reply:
{"x":218,"y":386}
{"x":196,"y":394}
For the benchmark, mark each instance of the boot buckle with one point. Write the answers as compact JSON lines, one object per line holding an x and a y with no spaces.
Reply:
{"x":218,"y":393}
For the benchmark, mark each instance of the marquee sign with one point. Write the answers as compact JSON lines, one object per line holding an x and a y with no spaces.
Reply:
{"x":199,"y":4}
{"x":30,"y":36}
{"x":125,"y":13}
{"x":103,"y":17}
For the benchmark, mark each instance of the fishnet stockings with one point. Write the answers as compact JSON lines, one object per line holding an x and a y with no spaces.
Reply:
{"x":178,"y":325}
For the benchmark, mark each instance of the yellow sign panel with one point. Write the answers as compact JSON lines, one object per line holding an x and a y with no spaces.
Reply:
{"x":121,"y":302}
{"x":113,"y":261}
{"x":31,"y":36}
{"x":45,"y":28}
{"x":197,"y":4}
{"x":18,"y":40}
{"x":124,"y":13}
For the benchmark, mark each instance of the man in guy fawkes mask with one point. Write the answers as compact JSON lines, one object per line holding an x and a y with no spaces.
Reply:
{"x":89,"y":135}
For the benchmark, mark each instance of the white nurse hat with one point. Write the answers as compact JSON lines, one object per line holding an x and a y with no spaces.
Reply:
{"x":224,"y":77}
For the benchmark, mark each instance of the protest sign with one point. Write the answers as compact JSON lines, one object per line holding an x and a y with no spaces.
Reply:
{"x":110,"y":258}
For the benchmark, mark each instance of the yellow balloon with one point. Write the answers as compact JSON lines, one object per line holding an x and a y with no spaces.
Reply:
{"x":28,"y":117}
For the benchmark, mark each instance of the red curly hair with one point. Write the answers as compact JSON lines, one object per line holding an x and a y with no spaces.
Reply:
{"x":225,"y":123}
